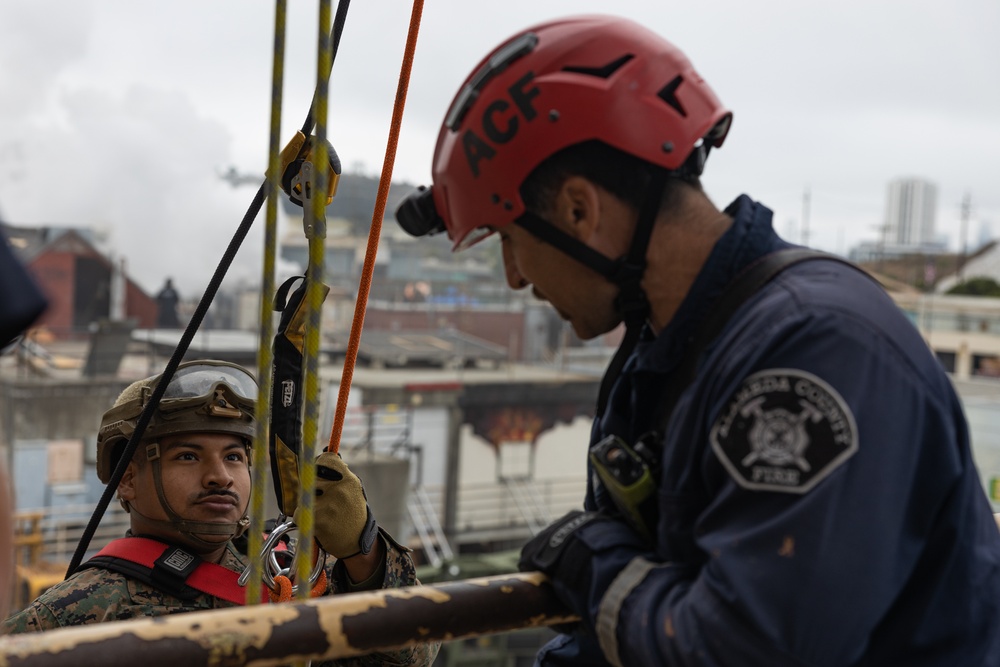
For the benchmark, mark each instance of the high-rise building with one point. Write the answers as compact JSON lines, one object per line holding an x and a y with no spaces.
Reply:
{"x":911,"y":209}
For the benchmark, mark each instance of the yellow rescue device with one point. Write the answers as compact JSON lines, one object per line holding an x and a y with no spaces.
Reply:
{"x":302,"y":149}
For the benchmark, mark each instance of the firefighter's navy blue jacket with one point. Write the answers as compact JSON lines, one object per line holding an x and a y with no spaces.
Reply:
{"x":819,"y":505}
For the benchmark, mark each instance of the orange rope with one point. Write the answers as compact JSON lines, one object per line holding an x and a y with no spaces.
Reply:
{"x":282,"y":591}
{"x":364,"y":286}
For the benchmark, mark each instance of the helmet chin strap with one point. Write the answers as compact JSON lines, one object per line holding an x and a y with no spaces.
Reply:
{"x":626,"y":272}
{"x":190,"y":529}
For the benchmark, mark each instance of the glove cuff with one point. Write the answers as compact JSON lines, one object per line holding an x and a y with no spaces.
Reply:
{"x":366,"y":540}
{"x":368,"y":534}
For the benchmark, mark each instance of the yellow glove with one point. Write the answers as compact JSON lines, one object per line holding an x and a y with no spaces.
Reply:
{"x":345,"y":526}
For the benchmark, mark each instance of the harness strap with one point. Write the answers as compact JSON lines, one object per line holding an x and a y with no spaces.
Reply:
{"x":169,"y":569}
{"x":632,"y":301}
{"x":747,"y":283}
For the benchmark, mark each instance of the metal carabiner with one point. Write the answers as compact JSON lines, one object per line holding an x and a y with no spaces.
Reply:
{"x":272,"y":568}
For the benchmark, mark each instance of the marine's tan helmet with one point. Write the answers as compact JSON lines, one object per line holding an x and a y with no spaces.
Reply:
{"x":202,"y":397}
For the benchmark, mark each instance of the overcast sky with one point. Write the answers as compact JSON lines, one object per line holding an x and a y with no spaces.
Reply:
{"x":119,"y":114}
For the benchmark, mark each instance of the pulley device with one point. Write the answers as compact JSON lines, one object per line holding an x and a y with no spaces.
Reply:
{"x":297,"y":172}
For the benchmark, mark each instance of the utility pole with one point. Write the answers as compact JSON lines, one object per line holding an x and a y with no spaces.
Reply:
{"x":966,"y":209}
{"x":805,"y":217}
{"x":883,"y":231}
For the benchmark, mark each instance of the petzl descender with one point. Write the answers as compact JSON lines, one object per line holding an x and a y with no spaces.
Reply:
{"x":285,"y":444}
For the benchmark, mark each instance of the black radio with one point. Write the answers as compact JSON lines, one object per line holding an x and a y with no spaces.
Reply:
{"x":628,"y":475}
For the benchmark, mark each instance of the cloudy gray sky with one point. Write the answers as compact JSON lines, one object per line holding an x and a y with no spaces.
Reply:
{"x":118,"y":115}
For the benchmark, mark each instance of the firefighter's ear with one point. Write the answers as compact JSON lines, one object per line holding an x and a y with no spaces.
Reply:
{"x":594,"y":216}
{"x":578,"y":208}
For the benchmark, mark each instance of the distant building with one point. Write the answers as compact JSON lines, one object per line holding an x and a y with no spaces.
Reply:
{"x":911,"y":212}
{"x":83,"y":286}
{"x":963,"y":331}
{"x":985,"y":263}
{"x":910,"y":221}
{"x":872,"y":252}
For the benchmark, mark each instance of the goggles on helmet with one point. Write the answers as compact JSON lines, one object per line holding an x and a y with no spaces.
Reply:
{"x":201,"y":380}
{"x":202,"y":396}
{"x":212,"y":389}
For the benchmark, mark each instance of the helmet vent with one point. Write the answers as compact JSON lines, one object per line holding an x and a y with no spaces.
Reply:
{"x":602,"y":72}
{"x":669,"y":95}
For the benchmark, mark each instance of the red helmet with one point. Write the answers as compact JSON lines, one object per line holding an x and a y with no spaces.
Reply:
{"x":550,"y":87}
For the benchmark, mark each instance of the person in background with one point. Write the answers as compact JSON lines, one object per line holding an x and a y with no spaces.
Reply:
{"x":166,"y":307}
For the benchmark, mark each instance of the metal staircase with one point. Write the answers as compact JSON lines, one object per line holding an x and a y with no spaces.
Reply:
{"x":428,"y":527}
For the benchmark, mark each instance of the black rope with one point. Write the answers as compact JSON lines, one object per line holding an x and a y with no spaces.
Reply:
{"x":338,"y":28}
{"x":192,"y":327}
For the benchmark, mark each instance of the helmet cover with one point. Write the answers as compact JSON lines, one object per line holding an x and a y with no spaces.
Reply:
{"x":202,"y":397}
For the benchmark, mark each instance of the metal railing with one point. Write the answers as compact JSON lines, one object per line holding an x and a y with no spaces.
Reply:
{"x":60,"y":529}
{"x":488,"y":513}
{"x":529,"y":502}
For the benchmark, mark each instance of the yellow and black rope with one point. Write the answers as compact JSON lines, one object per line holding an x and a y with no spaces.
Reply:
{"x":265,"y":356}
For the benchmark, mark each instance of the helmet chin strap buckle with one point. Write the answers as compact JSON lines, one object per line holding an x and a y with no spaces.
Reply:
{"x":242,"y":526}
{"x":694,"y":166}
{"x":631,"y":301}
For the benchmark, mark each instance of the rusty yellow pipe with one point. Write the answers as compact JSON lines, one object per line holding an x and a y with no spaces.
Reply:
{"x":337,"y":626}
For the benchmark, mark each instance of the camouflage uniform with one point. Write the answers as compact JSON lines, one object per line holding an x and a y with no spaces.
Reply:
{"x":95,"y":595}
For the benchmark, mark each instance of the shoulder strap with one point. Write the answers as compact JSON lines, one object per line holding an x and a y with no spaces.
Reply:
{"x":746,"y":283}
{"x":169,"y":569}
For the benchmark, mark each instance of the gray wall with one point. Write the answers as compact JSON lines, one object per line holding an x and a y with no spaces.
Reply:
{"x":54,"y":409}
{"x":34,"y":412}
{"x":385,"y":479}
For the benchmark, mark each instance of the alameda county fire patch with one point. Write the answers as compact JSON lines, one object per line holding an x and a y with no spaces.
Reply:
{"x":784,"y":430}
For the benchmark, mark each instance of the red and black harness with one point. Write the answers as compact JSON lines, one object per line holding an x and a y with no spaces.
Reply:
{"x":169,"y":569}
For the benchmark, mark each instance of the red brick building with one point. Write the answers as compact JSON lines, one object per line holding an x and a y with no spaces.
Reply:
{"x":76,"y":279}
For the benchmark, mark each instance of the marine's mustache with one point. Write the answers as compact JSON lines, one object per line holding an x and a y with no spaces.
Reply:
{"x":218,"y":492}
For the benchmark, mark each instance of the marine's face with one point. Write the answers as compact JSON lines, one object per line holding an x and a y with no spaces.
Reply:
{"x":205,"y":478}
